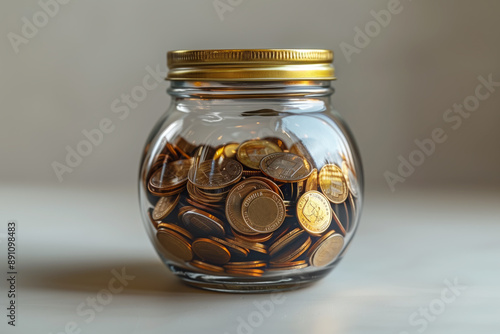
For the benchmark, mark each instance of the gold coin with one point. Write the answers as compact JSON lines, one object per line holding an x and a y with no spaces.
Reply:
{"x":164,"y":207}
{"x":352,"y":182}
{"x":215,"y":174}
{"x":206,"y":266}
{"x":312,"y":181}
{"x":263,"y":211}
{"x":172,"y":175}
{"x":230,"y":150}
{"x":175,"y":244}
{"x":285,"y":167}
{"x":326,"y":249}
{"x":177,"y":229}
{"x":211,"y":251}
{"x":234,"y":201}
{"x":201,"y":223}
{"x":333,"y":184}
{"x":314,"y":212}
{"x":251,"y":152}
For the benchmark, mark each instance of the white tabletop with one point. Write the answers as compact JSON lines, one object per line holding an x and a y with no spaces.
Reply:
{"x":392,"y":280}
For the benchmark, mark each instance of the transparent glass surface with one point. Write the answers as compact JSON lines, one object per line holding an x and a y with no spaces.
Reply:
{"x":275,"y":213}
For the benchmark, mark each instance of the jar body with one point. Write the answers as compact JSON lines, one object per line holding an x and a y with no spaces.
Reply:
{"x":250,"y":187}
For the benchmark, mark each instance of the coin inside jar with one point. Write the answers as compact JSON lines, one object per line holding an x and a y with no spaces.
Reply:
{"x":285,"y":167}
{"x":326,"y":249}
{"x":234,"y":201}
{"x":333,"y":184}
{"x":251,"y":152}
{"x":314,"y":212}
{"x":172,"y":175}
{"x":215,"y":174}
{"x":175,"y":244}
{"x":211,"y":251}
{"x":351,"y":180}
{"x":201,"y":223}
{"x":263,"y":211}
{"x":164,"y":207}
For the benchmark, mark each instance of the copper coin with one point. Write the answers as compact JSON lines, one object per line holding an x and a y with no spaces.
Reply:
{"x":285,"y":167}
{"x":215,"y":174}
{"x":234,"y":202}
{"x":333,"y":184}
{"x":254,"y":246}
{"x":263,"y":211}
{"x":245,"y":272}
{"x":314,"y":212}
{"x":211,"y":251}
{"x":172,"y":175}
{"x":261,"y":237}
{"x":206,"y":266}
{"x":164,"y":207}
{"x":201,"y":223}
{"x":273,"y":186}
{"x":293,"y":251}
{"x":177,"y":229}
{"x":251,"y":152}
{"x":245,"y":265}
{"x":175,"y":244}
{"x":282,"y":242}
{"x":235,"y":250}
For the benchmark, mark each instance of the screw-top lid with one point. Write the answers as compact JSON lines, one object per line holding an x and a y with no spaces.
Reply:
{"x":251,"y":65}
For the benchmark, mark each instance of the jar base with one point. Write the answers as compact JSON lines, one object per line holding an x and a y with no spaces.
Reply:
{"x":248,"y":285}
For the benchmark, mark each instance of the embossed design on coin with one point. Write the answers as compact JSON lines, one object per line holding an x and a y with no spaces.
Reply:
{"x":175,"y":174}
{"x":201,"y":223}
{"x":285,"y":167}
{"x":213,"y":174}
{"x":314,"y":212}
{"x":234,"y":201}
{"x":333,"y":184}
{"x":251,"y":152}
{"x":164,"y":207}
{"x":263,"y":211}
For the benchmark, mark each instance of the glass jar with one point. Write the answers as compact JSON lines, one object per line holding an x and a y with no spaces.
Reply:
{"x":251,"y":181}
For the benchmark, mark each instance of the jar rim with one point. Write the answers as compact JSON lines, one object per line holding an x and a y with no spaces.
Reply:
{"x":251,"y":64}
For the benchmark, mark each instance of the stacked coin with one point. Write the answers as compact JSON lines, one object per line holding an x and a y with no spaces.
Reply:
{"x":249,"y":209}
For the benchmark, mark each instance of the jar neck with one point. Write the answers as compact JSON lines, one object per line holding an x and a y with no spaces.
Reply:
{"x":250,"y":89}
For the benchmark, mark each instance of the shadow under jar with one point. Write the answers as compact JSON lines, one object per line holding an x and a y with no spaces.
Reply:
{"x":251,"y":181}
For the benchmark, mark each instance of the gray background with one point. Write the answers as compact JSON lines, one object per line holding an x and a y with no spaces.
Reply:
{"x":395,"y":90}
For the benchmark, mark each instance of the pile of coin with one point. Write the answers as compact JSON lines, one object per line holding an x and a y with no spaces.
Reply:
{"x":249,"y":209}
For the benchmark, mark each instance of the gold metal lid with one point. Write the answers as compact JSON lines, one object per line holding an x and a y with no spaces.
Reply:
{"x":250,"y":65}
